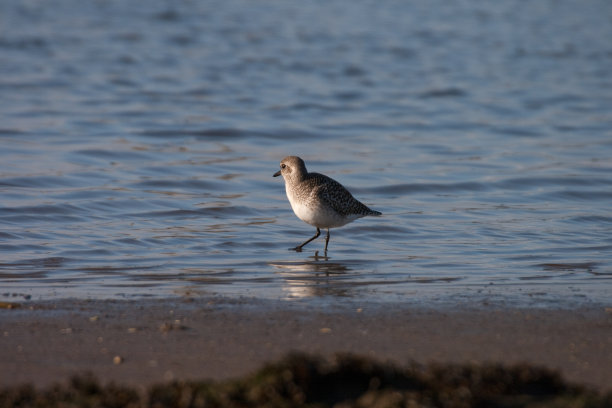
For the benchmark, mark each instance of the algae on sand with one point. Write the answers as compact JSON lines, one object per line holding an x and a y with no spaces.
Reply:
{"x":301,"y":380}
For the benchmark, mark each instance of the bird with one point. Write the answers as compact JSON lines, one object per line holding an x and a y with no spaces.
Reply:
{"x":318,"y":199}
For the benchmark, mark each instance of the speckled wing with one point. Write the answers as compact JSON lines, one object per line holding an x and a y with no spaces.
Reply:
{"x":339,"y":198}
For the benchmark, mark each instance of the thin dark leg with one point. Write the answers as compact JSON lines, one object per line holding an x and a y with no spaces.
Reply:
{"x":327,"y":240}
{"x":299,"y":247}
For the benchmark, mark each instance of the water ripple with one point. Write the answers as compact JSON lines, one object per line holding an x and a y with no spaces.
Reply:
{"x":138,"y":147}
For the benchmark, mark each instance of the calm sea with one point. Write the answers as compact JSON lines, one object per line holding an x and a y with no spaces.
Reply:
{"x":138,"y":142}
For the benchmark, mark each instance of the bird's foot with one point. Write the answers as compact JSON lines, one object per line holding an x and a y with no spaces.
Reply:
{"x":318,"y":257}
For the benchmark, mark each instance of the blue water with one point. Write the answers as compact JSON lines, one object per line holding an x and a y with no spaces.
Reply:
{"x":139,"y":142}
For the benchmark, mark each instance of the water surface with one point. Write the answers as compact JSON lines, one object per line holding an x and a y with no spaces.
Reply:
{"x":139,"y":143}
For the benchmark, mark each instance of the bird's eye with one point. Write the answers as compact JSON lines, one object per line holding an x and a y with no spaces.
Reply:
{"x":283,"y":166}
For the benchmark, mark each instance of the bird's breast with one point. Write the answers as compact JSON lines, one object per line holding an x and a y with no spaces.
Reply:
{"x":315,"y":213}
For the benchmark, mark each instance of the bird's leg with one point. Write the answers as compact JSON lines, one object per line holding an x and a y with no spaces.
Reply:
{"x":299,"y":247}
{"x":326,"y":241}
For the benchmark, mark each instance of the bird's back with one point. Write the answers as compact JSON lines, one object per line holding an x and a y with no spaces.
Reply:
{"x":336,"y":196}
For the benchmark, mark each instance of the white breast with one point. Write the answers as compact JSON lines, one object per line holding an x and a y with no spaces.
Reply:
{"x":317,"y":215}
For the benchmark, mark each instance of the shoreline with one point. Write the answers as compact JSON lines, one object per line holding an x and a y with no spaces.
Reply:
{"x":144,"y":342}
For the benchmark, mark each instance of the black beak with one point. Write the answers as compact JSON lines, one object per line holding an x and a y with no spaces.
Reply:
{"x":276,"y":174}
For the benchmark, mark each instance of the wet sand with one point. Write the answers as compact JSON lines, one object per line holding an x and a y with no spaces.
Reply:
{"x":139,"y":343}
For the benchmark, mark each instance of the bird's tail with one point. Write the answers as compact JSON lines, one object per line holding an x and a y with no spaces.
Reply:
{"x":375,"y":213}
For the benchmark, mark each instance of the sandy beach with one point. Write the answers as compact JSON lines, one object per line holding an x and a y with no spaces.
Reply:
{"x":139,"y":343}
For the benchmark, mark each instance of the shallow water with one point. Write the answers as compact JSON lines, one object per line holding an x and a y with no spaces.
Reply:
{"x":139,"y":143}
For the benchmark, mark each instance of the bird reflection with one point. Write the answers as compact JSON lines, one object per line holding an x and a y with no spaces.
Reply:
{"x":314,"y":277}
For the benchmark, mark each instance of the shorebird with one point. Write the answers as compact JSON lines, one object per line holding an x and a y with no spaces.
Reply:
{"x":319,"y":200}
